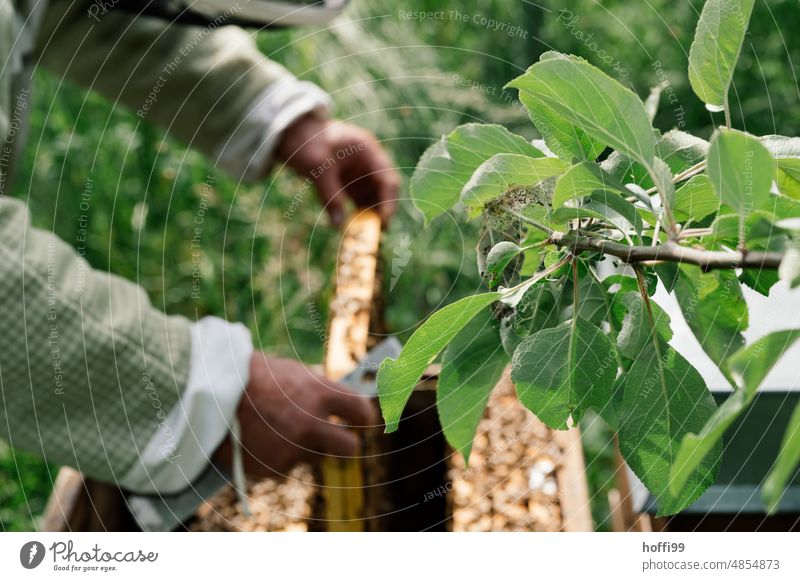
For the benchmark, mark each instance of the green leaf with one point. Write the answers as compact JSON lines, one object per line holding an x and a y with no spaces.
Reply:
{"x":786,"y":151}
{"x":636,"y":333}
{"x":695,"y":199}
{"x":612,"y":413}
{"x":741,"y":171}
{"x":782,"y":147}
{"x":726,"y":228}
{"x":498,"y":259}
{"x":505,"y":172}
{"x":760,"y":281}
{"x":665,"y":398}
{"x":788,"y":177}
{"x":552,"y":257}
{"x":532,"y":258}
{"x":749,"y":366}
{"x":398,"y":377}
{"x":562,"y":371}
{"x":712,"y":305}
{"x":784,"y":210}
{"x":537,"y":310}
{"x":563,"y":138}
{"x":448,"y":164}
{"x":625,"y":283}
{"x":789,"y":270}
{"x":680,"y":151}
{"x":471,"y":366}
{"x":653,"y":100}
{"x":617,"y":210}
{"x":497,"y":226}
{"x":788,"y":459}
{"x":592,"y":299}
{"x":662,"y":178}
{"x":717,"y":43}
{"x":583,"y":179}
{"x":564,"y":215}
{"x":585,"y":96}
{"x":514,"y":295}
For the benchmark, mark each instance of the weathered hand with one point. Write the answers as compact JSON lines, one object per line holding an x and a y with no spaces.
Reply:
{"x":285,"y":417}
{"x":343,"y":161}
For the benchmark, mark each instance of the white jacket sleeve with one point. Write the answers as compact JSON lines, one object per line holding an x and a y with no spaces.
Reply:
{"x":182,"y":446}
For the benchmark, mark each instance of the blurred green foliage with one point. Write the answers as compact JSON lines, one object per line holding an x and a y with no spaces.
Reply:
{"x":408,"y":78}
{"x":25,"y":482}
{"x":651,"y":40}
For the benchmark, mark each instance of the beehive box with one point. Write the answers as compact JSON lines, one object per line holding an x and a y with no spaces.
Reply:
{"x":522,"y":476}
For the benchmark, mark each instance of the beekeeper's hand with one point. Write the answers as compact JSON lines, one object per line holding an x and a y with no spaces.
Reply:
{"x":285,"y":417}
{"x":343,"y":161}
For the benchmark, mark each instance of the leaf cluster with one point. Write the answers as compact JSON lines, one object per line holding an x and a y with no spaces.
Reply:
{"x":579,"y":228}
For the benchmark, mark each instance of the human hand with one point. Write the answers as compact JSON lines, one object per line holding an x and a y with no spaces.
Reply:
{"x":342,"y":161}
{"x":285,"y":418}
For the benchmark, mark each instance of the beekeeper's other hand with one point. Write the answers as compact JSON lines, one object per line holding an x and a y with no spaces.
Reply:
{"x":343,"y":161}
{"x":285,"y":417}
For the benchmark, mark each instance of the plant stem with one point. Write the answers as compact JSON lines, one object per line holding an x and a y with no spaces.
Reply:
{"x":656,"y":232}
{"x":539,"y":244}
{"x":695,"y":233}
{"x":575,"y":296}
{"x":669,"y":252}
{"x":609,"y":318}
{"x":532,"y":222}
{"x":670,"y":225}
{"x":742,"y":235}
{"x":574,"y":323}
{"x":727,"y":113}
{"x":697,"y":168}
{"x":535,"y":278}
{"x":646,"y":298}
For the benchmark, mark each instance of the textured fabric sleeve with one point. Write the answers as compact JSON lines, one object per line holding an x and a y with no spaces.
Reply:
{"x":88,"y":368}
{"x":205,"y":85}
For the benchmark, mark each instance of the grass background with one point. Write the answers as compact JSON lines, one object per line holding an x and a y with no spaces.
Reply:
{"x":409,"y":80}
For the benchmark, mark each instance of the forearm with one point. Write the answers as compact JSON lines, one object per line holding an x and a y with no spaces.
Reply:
{"x":210,"y":87}
{"x":88,"y":367}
